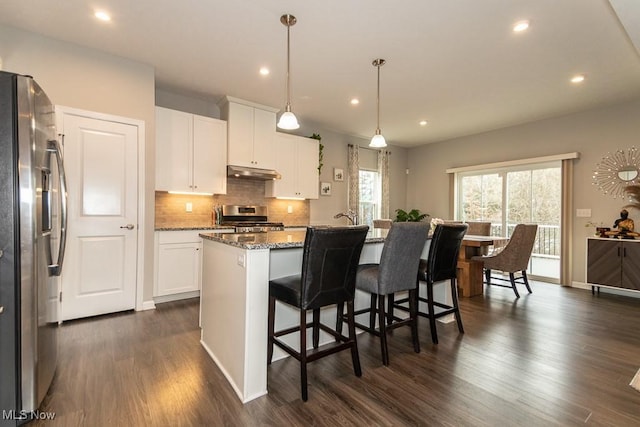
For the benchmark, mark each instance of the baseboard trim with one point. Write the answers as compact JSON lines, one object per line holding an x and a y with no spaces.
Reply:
{"x":148,"y":305}
{"x":176,"y":297}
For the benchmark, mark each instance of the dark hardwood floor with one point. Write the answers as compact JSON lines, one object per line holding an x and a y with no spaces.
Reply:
{"x":559,"y":356}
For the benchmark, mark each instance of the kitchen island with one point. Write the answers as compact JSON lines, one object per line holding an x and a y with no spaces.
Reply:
{"x":236,"y":269}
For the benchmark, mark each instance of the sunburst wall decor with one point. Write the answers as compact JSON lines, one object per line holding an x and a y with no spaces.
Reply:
{"x":615,"y":171}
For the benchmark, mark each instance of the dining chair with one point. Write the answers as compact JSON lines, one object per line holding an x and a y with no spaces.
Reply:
{"x":440,"y":265}
{"x":382,"y":223}
{"x":479,"y":228}
{"x":329,"y":266}
{"x":396,"y":272}
{"x":514,"y":258}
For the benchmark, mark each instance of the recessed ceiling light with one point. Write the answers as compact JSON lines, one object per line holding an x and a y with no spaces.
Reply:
{"x":578,"y":78}
{"x":423,"y":122}
{"x":354,"y":101}
{"x":102,"y":15}
{"x":264,"y":71}
{"x":520,"y":26}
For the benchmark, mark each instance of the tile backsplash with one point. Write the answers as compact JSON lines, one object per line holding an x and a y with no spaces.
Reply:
{"x":171,"y":208}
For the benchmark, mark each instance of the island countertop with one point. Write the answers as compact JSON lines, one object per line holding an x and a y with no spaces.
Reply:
{"x":277,"y":239}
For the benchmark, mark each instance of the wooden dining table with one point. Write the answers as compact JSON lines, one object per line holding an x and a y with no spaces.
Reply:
{"x":470,"y":277}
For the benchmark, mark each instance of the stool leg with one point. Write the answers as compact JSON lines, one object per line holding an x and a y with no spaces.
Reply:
{"x":271,"y":326}
{"x":413,"y":313}
{"x":372,"y":312}
{"x":355,"y":357}
{"x":454,"y":299}
{"x":316,"y":327}
{"x":303,"y":354}
{"x":432,"y":313}
{"x":390,"y":302}
{"x":339,"y":318}
{"x":383,"y":331}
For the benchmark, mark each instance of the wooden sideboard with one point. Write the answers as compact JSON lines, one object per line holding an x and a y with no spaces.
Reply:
{"x":613,"y":262}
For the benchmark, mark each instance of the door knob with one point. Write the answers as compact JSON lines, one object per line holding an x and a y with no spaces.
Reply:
{"x":128,"y":226}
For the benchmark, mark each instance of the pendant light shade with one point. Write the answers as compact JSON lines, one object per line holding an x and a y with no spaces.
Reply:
{"x":288,"y":120}
{"x":378,"y":140}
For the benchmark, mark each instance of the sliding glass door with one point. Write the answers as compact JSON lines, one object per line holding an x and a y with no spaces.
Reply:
{"x":521,"y":194}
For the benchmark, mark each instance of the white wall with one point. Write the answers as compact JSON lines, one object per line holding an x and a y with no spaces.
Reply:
{"x":82,"y":78}
{"x":592,"y":133}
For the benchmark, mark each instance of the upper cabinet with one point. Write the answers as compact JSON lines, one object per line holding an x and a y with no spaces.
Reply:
{"x":191,"y":152}
{"x":251,"y":132}
{"x":297,"y":162}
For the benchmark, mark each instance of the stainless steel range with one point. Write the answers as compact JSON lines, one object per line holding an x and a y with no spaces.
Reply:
{"x":248,"y":219}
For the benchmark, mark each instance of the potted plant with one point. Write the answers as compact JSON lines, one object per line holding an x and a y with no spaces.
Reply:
{"x":413,"y":215}
{"x":320,"y":148}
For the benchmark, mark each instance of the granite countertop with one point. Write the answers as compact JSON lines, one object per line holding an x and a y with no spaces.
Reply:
{"x":276,"y":239}
{"x":214,"y":227}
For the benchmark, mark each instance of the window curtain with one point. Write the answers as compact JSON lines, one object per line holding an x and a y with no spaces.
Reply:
{"x":353,"y":169}
{"x":383,"y":170}
{"x":566,"y":224}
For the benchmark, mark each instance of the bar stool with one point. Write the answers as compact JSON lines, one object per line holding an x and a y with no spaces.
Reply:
{"x":329,"y":266}
{"x":396,"y":272}
{"x":441,"y":264}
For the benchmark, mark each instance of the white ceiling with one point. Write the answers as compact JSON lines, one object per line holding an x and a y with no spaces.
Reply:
{"x":454,"y":63}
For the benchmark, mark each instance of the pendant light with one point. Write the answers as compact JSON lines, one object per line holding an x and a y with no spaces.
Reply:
{"x":288,"y":120}
{"x":378,"y":140}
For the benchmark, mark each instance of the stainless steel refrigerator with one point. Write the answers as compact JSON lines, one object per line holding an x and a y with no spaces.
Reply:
{"x":32,"y":240}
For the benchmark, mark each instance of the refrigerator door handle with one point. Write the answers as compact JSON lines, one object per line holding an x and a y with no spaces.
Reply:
{"x":56,"y":268}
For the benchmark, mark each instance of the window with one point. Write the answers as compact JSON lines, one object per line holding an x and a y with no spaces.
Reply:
{"x":519,"y":194}
{"x":370,"y":197}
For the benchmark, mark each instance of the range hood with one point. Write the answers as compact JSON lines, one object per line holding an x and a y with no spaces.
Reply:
{"x":252,"y":173}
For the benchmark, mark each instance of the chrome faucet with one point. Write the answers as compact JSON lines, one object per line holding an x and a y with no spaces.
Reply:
{"x":350,"y":215}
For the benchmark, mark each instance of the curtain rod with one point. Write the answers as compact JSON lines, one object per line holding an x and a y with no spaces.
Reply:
{"x":367,"y":148}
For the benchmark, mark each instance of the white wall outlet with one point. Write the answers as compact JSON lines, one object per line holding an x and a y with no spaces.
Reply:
{"x":241,"y":262}
{"x":189,"y":207}
{"x":583,"y":213}
{"x":289,"y":209}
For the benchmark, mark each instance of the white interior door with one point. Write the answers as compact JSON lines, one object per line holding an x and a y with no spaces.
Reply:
{"x":99,"y":273}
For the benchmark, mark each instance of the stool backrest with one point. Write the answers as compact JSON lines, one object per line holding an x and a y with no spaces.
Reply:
{"x":400,"y":257}
{"x":329,"y":264}
{"x":444,"y":250}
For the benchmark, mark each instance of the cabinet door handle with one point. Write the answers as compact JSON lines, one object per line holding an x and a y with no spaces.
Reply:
{"x":624,"y":252}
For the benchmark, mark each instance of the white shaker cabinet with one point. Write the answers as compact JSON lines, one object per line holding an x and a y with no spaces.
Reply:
{"x":251,"y":132}
{"x":297,"y":162}
{"x":178,"y":257}
{"x":191,"y":152}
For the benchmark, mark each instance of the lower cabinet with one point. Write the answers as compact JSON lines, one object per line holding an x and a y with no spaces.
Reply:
{"x":178,"y":256}
{"x":613,"y":263}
